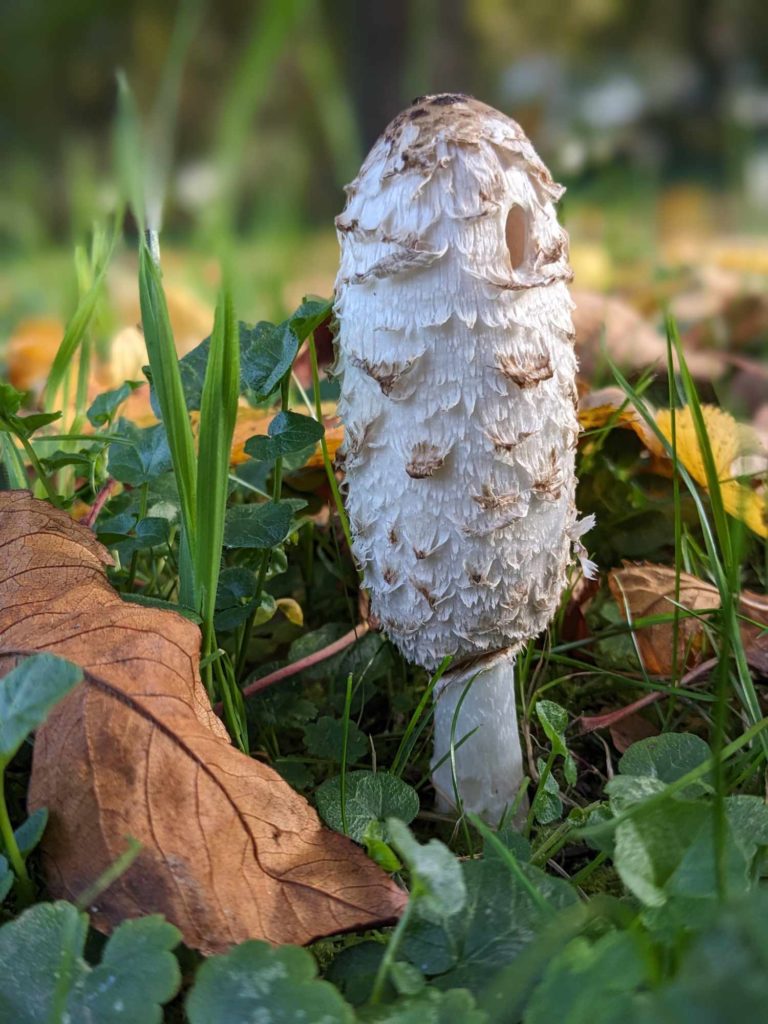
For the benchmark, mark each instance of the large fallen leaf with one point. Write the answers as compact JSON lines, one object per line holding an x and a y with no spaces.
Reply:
{"x":737,"y":449}
{"x":230,"y":852}
{"x":648,"y":591}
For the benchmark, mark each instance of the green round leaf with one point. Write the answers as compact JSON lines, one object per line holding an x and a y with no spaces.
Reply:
{"x":257,"y":982}
{"x":369,"y":797}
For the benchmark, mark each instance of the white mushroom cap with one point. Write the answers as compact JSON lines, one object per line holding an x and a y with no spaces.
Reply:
{"x":457,"y":381}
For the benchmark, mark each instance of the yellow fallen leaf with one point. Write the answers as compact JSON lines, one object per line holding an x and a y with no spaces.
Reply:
{"x":31,"y":350}
{"x":291,"y":610}
{"x":736,"y":448}
{"x":732,"y":443}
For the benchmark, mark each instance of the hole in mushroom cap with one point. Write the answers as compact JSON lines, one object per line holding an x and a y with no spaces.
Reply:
{"x":516,"y":233}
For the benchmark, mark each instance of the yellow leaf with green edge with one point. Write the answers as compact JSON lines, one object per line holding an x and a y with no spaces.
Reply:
{"x":735,"y":449}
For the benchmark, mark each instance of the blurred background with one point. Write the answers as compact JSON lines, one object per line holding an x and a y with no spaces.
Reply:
{"x":655,"y":116}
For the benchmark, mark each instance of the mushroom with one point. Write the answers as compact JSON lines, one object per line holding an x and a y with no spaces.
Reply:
{"x":458,"y":396}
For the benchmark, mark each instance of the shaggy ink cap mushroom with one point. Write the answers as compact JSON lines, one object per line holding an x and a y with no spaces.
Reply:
{"x":458,"y":396}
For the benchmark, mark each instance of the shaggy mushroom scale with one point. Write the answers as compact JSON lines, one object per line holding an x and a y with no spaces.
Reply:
{"x":455,"y":354}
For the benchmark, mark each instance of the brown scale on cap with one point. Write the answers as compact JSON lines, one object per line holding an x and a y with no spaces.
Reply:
{"x":386,"y":374}
{"x":527,"y":376}
{"x":425,"y":460}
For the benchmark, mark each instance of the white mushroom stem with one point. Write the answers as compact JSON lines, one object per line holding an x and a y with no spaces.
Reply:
{"x":477,"y":751}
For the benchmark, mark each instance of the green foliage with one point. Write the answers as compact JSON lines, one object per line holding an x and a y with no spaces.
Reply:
{"x":43,"y":976}
{"x":438,"y":888}
{"x":612,"y":966}
{"x":29,"y":834}
{"x":27,"y":694}
{"x":428,"y":1007}
{"x":554,"y":721}
{"x":677,"y":831}
{"x":267,"y":352}
{"x":260,"y":526}
{"x":369,"y":797}
{"x":146,"y":457}
{"x":288,"y":433}
{"x":166,"y":380}
{"x":467,"y":944}
{"x":218,"y":415}
{"x":258,"y":982}
{"x":103,"y":408}
{"x":323,"y":738}
{"x":666,"y":757}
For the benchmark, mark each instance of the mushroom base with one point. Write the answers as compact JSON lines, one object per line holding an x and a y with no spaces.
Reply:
{"x":488,"y":765}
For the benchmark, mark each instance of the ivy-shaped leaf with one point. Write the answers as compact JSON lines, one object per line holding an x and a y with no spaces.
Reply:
{"x":258,"y":982}
{"x":42,"y":969}
{"x":369,"y":796}
{"x":146,"y":458}
{"x":103,"y":408}
{"x":287,"y":433}
{"x":260,"y":526}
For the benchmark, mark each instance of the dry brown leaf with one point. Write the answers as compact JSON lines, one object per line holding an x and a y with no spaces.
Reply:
{"x":754,"y":629}
{"x":646,"y":590}
{"x":610,"y":406}
{"x":631,"y":729}
{"x":630,"y":340}
{"x":230,"y":852}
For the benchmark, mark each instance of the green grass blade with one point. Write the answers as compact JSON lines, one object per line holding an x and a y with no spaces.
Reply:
{"x":218,"y":414}
{"x":722,"y":572}
{"x":267,"y":38}
{"x":13,"y":471}
{"x":75,"y":331}
{"x":166,"y":380}
{"x":128,"y":151}
{"x":161,"y":126}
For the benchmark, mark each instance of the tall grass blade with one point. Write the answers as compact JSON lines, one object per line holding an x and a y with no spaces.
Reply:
{"x":161,"y":127}
{"x":166,"y":379}
{"x":266,"y":40}
{"x":721,"y":573}
{"x":103,"y":248}
{"x":128,"y":149}
{"x":218,"y":414}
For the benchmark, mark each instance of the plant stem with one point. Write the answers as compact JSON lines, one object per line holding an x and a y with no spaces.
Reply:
{"x":143,"y":503}
{"x":31,"y":455}
{"x":539,"y":789}
{"x":277,"y":486}
{"x":298,"y":666}
{"x":589,"y":869}
{"x":324,"y":445}
{"x":344,"y":746}
{"x":24,"y":887}
{"x":389,"y":954}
